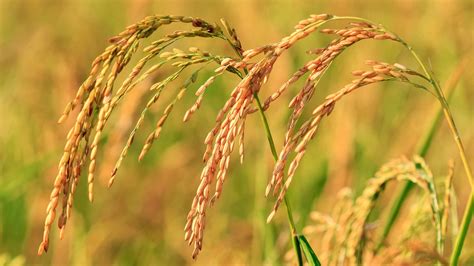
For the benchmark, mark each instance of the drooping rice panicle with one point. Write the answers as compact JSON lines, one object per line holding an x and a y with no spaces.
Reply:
{"x":308,"y":129}
{"x":98,"y":101}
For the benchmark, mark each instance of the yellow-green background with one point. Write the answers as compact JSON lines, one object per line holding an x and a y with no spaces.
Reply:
{"x":46,"y":48}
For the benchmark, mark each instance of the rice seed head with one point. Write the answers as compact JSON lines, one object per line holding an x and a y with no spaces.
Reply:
{"x":96,"y":96}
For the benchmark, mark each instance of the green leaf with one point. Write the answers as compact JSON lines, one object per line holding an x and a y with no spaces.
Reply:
{"x":296,"y":246}
{"x":308,"y":251}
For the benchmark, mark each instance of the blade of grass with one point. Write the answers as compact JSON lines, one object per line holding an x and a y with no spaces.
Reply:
{"x":296,"y":246}
{"x":308,"y":251}
{"x":463,"y":232}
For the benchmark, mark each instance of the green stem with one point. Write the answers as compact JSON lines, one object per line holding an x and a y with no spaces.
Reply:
{"x":275,"y":157}
{"x":463,"y":232}
{"x":294,"y":232}
{"x":297,"y":247}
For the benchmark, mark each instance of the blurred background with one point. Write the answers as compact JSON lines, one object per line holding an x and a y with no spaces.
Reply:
{"x":46,"y":48}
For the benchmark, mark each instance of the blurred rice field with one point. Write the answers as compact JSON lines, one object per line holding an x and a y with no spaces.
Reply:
{"x":46,"y":48}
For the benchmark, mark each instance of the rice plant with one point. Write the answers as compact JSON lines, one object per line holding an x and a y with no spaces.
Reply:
{"x":99,"y":95}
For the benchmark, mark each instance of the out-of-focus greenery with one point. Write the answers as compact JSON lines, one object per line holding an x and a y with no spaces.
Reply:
{"x":46,"y":48}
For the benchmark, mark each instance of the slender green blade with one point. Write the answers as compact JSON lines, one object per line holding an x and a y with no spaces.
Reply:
{"x":308,"y":251}
{"x":462,"y":234}
{"x":296,"y":246}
